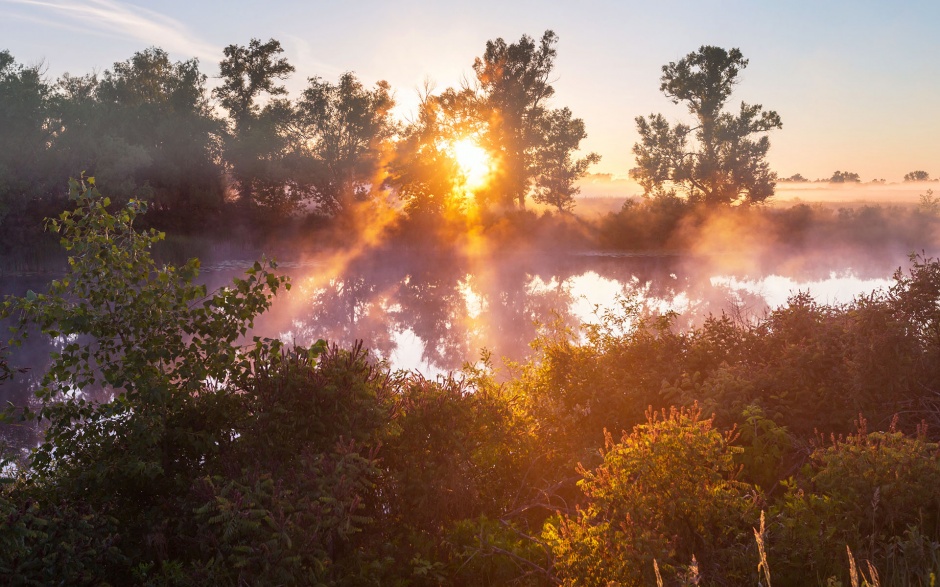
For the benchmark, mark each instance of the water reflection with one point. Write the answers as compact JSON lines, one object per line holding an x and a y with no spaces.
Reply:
{"x":434,"y":311}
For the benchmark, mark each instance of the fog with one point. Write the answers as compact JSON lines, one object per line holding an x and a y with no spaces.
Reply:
{"x":604,"y":192}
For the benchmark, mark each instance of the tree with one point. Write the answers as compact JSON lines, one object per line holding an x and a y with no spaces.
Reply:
{"x":795,"y":178}
{"x":513,"y":93}
{"x":844,"y":177}
{"x":719,"y":160}
{"x":255,"y":149}
{"x":555,"y":184}
{"x":422,"y":170}
{"x":917,"y":176}
{"x":162,"y":108}
{"x":247,"y":73}
{"x":24,"y":112}
{"x":346,"y":130}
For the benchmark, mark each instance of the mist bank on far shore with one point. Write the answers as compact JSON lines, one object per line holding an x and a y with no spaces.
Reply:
{"x":612,"y":187}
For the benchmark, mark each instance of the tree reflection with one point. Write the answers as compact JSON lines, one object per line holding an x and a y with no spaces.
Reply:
{"x":454,"y":304}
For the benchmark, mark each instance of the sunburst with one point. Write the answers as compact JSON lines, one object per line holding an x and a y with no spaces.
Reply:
{"x":474,"y":162}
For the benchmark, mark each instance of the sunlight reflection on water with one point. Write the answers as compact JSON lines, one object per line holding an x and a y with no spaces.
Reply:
{"x":434,"y":315}
{"x":777,"y":289}
{"x":433,"y":312}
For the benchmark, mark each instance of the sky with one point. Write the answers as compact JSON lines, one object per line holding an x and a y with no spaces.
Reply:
{"x":856,"y":83}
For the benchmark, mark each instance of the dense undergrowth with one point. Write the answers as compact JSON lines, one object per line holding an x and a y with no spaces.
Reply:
{"x":795,"y":449}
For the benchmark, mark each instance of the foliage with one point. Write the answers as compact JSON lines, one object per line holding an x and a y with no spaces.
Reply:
{"x":175,"y":455}
{"x":555,"y":184}
{"x":155,"y":338}
{"x":919,"y":175}
{"x":247,"y":73}
{"x":25,"y":101}
{"x":258,"y":142}
{"x":844,"y":177}
{"x":135,"y":402}
{"x":665,"y":492}
{"x":648,"y":223}
{"x":162,"y":108}
{"x":929,"y":204}
{"x":514,"y":84}
{"x":347,"y":129}
{"x":51,"y":543}
{"x":872,"y":491}
{"x":289,"y":501}
{"x":575,"y":391}
{"x":451,"y":458}
{"x":724,"y":164}
{"x":795,"y":178}
{"x":532,"y":145}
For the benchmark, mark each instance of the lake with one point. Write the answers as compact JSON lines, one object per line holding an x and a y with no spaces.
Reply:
{"x":433,"y":311}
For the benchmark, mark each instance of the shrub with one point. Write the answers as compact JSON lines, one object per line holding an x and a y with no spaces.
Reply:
{"x":665,"y":492}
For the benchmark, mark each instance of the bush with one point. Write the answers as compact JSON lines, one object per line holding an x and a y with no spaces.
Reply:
{"x":666,"y":492}
{"x":872,"y":491}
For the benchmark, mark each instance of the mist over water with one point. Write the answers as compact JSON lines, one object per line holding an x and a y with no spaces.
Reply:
{"x":434,"y":310}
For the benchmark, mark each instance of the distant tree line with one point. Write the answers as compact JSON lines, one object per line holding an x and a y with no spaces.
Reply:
{"x":852,"y":177}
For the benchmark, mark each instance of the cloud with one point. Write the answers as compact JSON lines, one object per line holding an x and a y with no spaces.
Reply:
{"x":307,"y":54}
{"x":117,"y":19}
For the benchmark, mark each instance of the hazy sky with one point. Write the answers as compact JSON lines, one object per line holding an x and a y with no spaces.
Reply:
{"x":857,"y":83}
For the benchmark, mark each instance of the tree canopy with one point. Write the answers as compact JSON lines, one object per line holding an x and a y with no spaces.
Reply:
{"x":532,"y":144}
{"x":919,"y":175}
{"x":347,"y":130}
{"x":721,"y":157}
{"x":845,"y":177}
{"x":256,"y":145}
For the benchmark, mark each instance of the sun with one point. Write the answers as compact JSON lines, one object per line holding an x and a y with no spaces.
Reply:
{"x":474,"y":162}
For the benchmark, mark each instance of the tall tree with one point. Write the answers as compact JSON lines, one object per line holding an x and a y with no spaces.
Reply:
{"x":514,"y":89}
{"x":423,"y":170}
{"x":247,"y":73}
{"x":719,"y":160}
{"x":558,"y":170}
{"x":256,"y":147}
{"x":162,"y":108}
{"x":24,"y":111}
{"x":345,"y":129}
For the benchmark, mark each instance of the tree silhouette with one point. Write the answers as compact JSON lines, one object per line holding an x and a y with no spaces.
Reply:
{"x":844,"y":177}
{"x":719,"y":160}
{"x":422,"y":170}
{"x":247,"y":73}
{"x":919,"y":175}
{"x":257,"y":145}
{"x":346,"y":128}
{"x":558,"y":170}
{"x":532,"y":144}
{"x":163,"y":108}
{"x":24,"y":111}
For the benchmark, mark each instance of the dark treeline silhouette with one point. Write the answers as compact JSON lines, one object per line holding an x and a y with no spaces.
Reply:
{"x":148,"y":128}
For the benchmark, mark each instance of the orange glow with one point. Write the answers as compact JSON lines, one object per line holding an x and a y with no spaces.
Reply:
{"x":474,"y":162}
